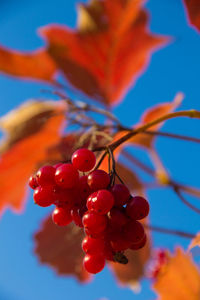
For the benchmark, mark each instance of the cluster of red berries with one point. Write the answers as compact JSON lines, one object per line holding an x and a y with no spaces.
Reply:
{"x":108,"y":213}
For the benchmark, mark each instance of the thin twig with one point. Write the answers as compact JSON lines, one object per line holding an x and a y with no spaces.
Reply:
{"x":135,"y":161}
{"x":187,"y":189}
{"x":170,"y":231}
{"x":172,"y":135}
{"x":141,"y":129}
{"x":182,"y":198}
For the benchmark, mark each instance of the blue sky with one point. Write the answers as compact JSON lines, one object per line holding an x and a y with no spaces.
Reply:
{"x":172,"y":69}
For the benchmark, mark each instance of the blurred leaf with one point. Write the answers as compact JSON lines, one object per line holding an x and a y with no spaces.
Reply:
{"x":129,"y":178}
{"x":109,"y":50}
{"x":60,"y":248}
{"x":193,"y":12}
{"x":195,"y":241}
{"x":35,"y":65}
{"x":29,"y":131}
{"x":179,"y":279}
{"x":131,"y":273}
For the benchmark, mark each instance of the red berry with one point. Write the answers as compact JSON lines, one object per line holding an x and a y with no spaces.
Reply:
{"x":33,"y":182}
{"x":61,"y":216}
{"x":137,"y":208}
{"x":98,"y":180}
{"x":140,"y":244}
{"x":134,"y":231}
{"x":45,"y":175}
{"x":65,"y":197}
{"x":94,"y":263}
{"x":90,"y":201}
{"x":77,"y":214}
{"x":83,"y":160}
{"x":93,"y":234}
{"x":44,"y":196}
{"x":117,"y":217}
{"x":119,"y":242}
{"x":101,"y":202}
{"x":95,"y":224}
{"x":93,"y":246}
{"x":66,"y":176}
{"x":83,"y":188}
{"x":121,"y":194}
{"x":161,"y":255}
{"x":57,"y":165}
{"x":109,"y":252}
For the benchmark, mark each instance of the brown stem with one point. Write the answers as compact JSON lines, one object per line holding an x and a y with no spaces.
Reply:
{"x":170,"y":231}
{"x":126,"y":137}
{"x":182,"y":198}
{"x":87,"y":107}
{"x":187,"y":113}
{"x":172,"y":135}
{"x":187,"y":189}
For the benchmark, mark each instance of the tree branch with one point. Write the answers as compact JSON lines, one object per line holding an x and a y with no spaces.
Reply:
{"x":169,"y":231}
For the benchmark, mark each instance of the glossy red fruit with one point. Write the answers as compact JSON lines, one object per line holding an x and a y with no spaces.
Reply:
{"x":83,"y":160}
{"x":45,"y":175}
{"x":94,"y":263}
{"x":140,"y":244}
{"x":66,"y":176}
{"x":133,"y":231}
{"x":93,"y":246}
{"x":94,"y":223}
{"x":77,"y":215}
{"x":89,"y":202}
{"x":121,"y":194}
{"x":44,"y":196}
{"x":57,"y":165}
{"x":100,"y":202}
{"x":109,"y":252}
{"x":117,"y":217}
{"x":33,"y":182}
{"x":137,"y":208}
{"x":65,"y":197}
{"x":83,"y":188}
{"x":98,"y":180}
{"x":61,"y":216}
{"x":93,"y":233}
{"x":119,"y":242}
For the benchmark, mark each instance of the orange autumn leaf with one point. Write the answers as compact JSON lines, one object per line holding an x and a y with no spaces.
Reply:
{"x":195,"y":241}
{"x":35,"y":65}
{"x":109,"y":49}
{"x":29,"y":131}
{"x":146,"y":140}
{"x":60,"y":248}
{"x":193,"y":12}
{"x":179,"y":279}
